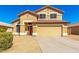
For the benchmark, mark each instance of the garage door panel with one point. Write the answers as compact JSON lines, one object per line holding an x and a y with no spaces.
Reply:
{"x":49,"y":31}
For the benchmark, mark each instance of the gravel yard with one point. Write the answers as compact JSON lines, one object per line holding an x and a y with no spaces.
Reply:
{"x":23,"y":44}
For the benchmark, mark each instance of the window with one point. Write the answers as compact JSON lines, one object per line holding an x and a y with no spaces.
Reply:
{"x":53,"y":15}
{"x":42,"y":16}
{"x":17,"y":28}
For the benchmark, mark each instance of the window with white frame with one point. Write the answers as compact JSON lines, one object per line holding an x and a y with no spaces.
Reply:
{"x":42,"y":16}
{"x":53,"y":16}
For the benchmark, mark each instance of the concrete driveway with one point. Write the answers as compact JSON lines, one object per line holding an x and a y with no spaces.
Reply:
{"x":30,"y":44}
{"x":74,"y":37}
{"x":58,"y":44}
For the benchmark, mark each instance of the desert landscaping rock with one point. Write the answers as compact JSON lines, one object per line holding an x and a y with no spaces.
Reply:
{"x":23,"y":44}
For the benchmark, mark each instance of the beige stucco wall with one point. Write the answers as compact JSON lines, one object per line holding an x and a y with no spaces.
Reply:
{"x":49,"y":25}
{"x":57,"y":29}
{"x":65,"y":30}
{"x":35,"y":28}
{"x":26,"y":26}
{"x":27,"y":17}
{"x":14,"y":26}
{"x":52,"y":29}
{"x":22,"y":28}
{"x":48,"y":12}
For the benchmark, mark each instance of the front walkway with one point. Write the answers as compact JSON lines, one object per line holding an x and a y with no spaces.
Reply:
{"x":23,"y":44}
{"x":58,"y":44}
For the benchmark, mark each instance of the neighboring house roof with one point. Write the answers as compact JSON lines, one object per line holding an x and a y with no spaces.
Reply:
{"x":74,"y":25}
{"x":51,"y":21}
{"x":30,"y":12}
{"x":15,"y":20}
{"x":5,"y":24}
{"x":55,"y":9}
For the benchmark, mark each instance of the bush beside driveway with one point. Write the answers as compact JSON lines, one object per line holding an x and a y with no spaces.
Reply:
{"x":6,"y":39}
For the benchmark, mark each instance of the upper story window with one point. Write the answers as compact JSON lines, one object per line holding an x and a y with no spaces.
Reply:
{"x":42,"y":16}
{"x":53,"y":16}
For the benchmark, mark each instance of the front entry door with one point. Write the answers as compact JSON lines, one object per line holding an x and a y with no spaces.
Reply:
{"x":30,"y":28}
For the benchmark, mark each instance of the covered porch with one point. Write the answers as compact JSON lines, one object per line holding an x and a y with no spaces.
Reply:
{"x":28,"y":28}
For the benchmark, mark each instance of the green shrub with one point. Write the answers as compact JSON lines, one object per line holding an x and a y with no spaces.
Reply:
{"x":5,"y":40}
{"x":3,"y":29}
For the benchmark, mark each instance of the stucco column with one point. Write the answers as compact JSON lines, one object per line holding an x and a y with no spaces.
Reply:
{"x":34,"y":30}
{"x":65,"y":30}
{"x":22,"y":30}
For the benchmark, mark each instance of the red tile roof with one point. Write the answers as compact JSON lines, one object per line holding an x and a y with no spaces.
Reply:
{"x":30,"y":12}
{"x":5,"y":24}
{"x":55,"y":9}
{"x":74,"y":25}
{"x":15,"y":20}
{"x":51,"y":21}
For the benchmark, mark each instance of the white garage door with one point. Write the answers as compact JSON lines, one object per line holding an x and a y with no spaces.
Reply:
{"x":49,"y":31}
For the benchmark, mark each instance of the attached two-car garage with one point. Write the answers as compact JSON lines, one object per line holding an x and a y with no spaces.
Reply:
{"x":49,"y":31}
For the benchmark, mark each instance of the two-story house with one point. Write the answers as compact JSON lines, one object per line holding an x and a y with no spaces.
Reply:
{"x":46,"y":21}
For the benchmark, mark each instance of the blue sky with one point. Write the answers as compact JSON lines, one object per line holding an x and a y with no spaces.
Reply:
{"x":8,"y":13}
